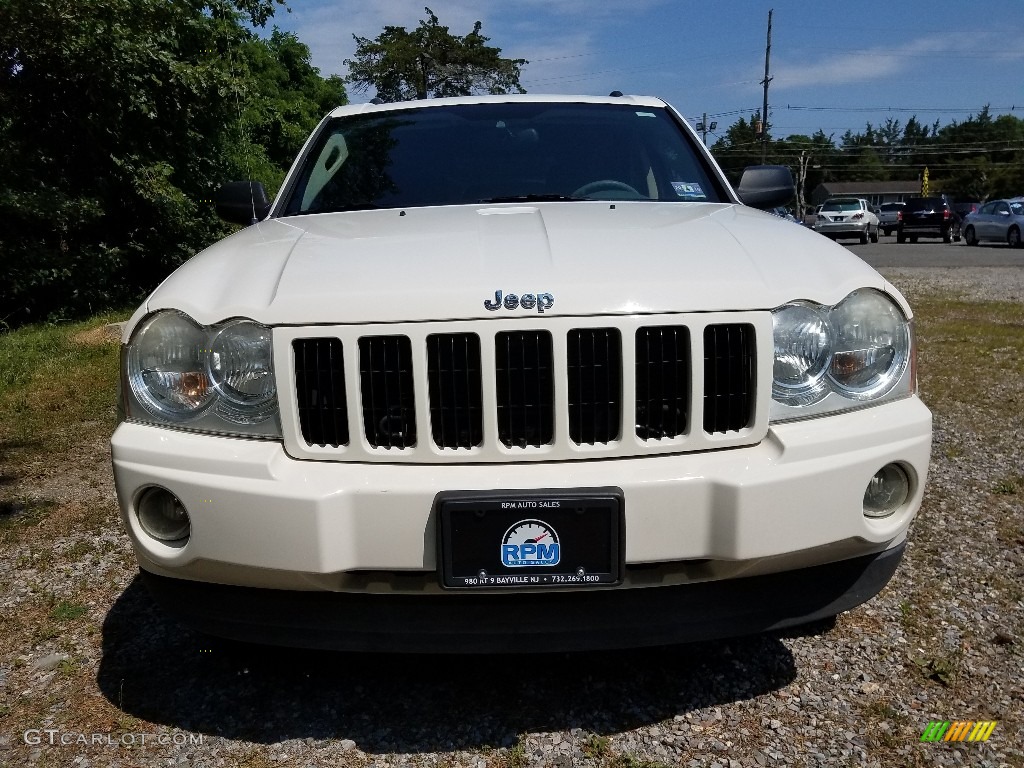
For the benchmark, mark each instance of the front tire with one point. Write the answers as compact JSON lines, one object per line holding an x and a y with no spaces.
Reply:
{"x":874,"y":236}
{"x":1013,"y":237}
{"x":864,"y":237}
{"x":970,"y":237}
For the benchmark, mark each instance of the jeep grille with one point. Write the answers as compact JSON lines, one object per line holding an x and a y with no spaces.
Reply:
{"x":539,"y":392}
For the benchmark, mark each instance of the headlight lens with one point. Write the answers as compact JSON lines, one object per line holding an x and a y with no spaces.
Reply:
{"x":218,"y":378}
{"x":803,"y":347}
{"x":830,"y":359}
{"x":167,"y":367}
{"x":242,"y":371}
{"x":872,"y":345}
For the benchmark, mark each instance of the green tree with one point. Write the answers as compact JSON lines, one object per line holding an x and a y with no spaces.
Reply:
{"x":739,"y":147}
{"x":118,"y":120}
{"x":284,"y":98}
{"x":429,"y":62}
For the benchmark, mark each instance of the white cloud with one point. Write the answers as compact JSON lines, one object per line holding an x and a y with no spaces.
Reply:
{"x":864,"y":65}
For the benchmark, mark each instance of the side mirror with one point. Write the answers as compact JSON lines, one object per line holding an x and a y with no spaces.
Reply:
{"x":242,"y":202}
{"x":766,"y":186}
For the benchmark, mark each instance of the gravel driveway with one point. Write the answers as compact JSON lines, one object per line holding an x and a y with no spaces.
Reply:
{"x":98,"y":677}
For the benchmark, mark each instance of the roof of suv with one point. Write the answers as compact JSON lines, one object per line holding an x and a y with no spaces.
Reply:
{"x":638,"y":101}
{"x":916,"y":203}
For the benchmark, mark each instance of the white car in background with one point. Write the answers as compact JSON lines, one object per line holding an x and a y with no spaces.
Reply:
{"x":847,"y":217}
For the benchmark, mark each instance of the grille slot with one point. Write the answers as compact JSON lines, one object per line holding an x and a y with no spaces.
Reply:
{"x":662,"y":381}
{"x":594,"y":359}
{"x":729,"y":370}
{"x":386,"y":385}
{"x":320,"y":390}
{"x":453,"y":373}
{"x":525,"y":388}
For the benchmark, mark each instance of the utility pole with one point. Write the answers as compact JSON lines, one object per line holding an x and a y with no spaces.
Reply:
{"x":705,"y":128}
{"x":767,"y":79}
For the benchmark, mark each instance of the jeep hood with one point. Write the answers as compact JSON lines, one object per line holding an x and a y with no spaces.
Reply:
{"x":443,"y":263}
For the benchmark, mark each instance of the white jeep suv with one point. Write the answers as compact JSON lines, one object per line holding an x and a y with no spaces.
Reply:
{"x":517,"y":373}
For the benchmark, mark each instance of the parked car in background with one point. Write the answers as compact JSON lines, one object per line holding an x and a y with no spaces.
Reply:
{"x":999,"y":221}
{"x":843,"y":217}
{"x":927,"y":217}
{"x":811,"y":216}
{"x":888,"y":216}
{"x":963,"y":209}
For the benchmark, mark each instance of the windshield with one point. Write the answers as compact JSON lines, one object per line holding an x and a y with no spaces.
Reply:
{"x":842,"y":205}
{"x":506,"y":152}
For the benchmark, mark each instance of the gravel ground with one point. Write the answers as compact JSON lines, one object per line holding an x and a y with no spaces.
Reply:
{"x":96,"y":667}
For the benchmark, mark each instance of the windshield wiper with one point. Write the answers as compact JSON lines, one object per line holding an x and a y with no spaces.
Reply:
{"x":342,"y":208}
{"x":529,"y":198}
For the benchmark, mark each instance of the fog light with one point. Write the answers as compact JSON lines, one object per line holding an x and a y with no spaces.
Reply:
{"x":163,"y":517}
{"x":886,"y":492}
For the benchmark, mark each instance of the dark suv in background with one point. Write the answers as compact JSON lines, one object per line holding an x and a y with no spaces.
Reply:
{"x":927,"y":217}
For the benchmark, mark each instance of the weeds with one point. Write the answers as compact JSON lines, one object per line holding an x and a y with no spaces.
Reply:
{"x":66,"y":611}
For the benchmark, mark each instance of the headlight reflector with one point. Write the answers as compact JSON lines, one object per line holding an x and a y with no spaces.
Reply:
{"x":242,"y":371}
{"x":167,"y":367}
{"x":218,"y":379}
{"x":872,"y":345}
{"x":803,"y":347}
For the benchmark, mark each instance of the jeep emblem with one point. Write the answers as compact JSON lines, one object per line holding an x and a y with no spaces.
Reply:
{"x":541,"y":301}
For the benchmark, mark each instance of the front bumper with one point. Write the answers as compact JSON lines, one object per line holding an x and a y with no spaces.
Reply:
{"x":263,"y":519}
{"x":838,"y":229}
{"x":527,"y":623}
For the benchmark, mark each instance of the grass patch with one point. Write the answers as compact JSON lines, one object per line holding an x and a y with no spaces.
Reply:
{"x":516,"y":756}
{"x":940,"y":669}
{"x":16,"y":513}
{"x":67,"y":611}
{"x":1009,"y":486}
{"x":967,"y":349}
{"x":56,"y":381}
{"x":597,"y":747}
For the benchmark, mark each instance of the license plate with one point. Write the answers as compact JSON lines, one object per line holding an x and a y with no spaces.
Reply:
{"x":531,"y":539}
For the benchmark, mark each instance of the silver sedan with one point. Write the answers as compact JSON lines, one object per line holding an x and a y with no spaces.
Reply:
{"x":999,"y":221}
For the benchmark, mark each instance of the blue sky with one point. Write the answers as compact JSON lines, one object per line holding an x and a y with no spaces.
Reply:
{"x":835,"y":65}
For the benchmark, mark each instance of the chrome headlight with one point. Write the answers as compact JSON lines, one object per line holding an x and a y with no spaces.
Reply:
{"x":872,"y":345}
{"x":242,"y":372}
{"x":803,"y":348}
{"x":218,"y":379}
{"x":830,"y":359}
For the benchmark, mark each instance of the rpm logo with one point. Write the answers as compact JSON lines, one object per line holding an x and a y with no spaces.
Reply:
{"x":530,"y":543}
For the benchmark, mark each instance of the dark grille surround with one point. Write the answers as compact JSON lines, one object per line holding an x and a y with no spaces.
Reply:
{"x":502,"y":393}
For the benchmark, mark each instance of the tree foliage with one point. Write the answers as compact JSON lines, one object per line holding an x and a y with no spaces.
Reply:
{"x":429,"y":62}
{"x":118,"y":119}
{"x":977,"y":159}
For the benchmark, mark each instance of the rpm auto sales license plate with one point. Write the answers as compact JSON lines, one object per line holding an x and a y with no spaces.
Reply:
{"x":531,"y":539}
